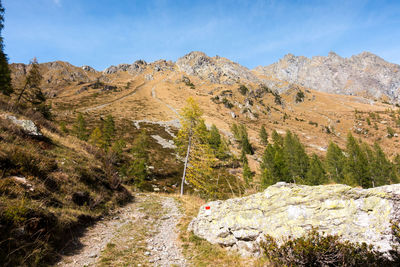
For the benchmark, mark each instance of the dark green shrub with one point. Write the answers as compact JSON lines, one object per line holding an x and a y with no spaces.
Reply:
{"x":299,"y":96}
{"x":243,"y":89}
{"x":315,"y":249}
{"x":390,"y":132}
{"x":278,"y":98}
{"x":226,"y":103}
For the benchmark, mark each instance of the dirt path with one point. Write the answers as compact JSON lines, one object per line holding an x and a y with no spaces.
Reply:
{"x":163,"y":247}
{"x":143,"y":233}
{"x":115,"y":100}
{"x":154,"y":95}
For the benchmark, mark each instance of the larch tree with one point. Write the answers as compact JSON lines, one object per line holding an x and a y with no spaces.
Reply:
{"x":80,"y":128}
{"x":263,"y":136}
{"x":190,"y":137}
{"x":108,"y":130}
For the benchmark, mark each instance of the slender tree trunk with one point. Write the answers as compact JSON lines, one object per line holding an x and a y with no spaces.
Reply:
{"x":21,"y":93}
{"x":186,"y":162}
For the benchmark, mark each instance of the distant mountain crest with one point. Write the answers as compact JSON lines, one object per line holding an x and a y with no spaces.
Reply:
{"x":364,"y":74}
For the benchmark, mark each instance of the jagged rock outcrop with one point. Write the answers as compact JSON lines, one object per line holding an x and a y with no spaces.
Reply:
{"x":358,"y":215}
{"x":88,"y":68}
{"x":135,"y":68}
{"x":364,"y":75}
{"x":215,"y":69}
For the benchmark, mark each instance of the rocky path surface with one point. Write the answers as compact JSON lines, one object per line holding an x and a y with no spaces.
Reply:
{"x":143,"y":233}
{"x":164,"y":249}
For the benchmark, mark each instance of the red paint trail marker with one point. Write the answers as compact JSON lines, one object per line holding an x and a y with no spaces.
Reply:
{"x":207,"y":207}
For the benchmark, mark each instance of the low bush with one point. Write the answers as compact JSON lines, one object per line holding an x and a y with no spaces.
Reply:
{"x":316,"y":249}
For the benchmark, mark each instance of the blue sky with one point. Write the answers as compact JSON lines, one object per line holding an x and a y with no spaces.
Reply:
{"x":101,"y":33}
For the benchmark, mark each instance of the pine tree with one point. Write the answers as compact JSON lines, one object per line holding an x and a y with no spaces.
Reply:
{"x":263,"y":136}
{"x":382,"y":170}
{"x":235,"y":131}
{"x":316,"y":174}
{"x":335,"y":161}
{"x":108,"y":130}
{"x":5,"y":73}
{"x":356,"y":167}
{"x":31,"y":91}
{"x":214,"y":137}
{"x":247,"y":174}
{"x":244,"y":140}
{"x":396,"y":163}
{"x":277,"y":139}
{"x":140,"y":153}
{"x":295,"y":157}
{"x":80,"y":128}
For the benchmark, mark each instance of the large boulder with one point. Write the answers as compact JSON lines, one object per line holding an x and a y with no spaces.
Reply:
{"x":358,"y":215}
{"x":27,"y":126}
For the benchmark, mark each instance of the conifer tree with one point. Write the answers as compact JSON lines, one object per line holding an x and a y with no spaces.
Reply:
{"x":140,"y":154}
{"x":244,"y":140}
{"x":277,"y":139}
{"x":236,"y":132}
{"x":356,"y":167}
{"x":192,"y":143}
{"x":316,"y":174}
{"x":80,"y":128}
{"x":382,"y":170}
{"x":96,"y":138}
{"x":247,"y":174}
{"x":396,"y":162}
{"x":5,"y":73}
{"x":200,"y":173}
{"x":31,"y":91}
{"x":108,"y":130}
{"x":214,"y":137}
{"x":335,"y":161}
{"x":295,"y":156}
{"x":263,"y":136}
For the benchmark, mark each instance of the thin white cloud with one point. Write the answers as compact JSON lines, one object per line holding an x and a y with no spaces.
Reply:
{"x":57,"y":2}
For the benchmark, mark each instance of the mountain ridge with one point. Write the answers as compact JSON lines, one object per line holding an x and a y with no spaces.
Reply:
{"x":364,"y":74}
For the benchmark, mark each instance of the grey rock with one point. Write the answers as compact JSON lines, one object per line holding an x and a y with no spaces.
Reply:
{"x":358,"y":215}
{"x":215,"y":70}
{"x":27,"y":125}
{"x":363,"y":75}
{"x":88,"y":68}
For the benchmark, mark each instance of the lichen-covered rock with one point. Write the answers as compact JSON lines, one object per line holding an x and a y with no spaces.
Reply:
{"x":358,"y":215}
{"x":27,"y":125}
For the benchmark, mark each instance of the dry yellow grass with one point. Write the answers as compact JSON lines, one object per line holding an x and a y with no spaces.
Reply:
{"x":200,"y":252}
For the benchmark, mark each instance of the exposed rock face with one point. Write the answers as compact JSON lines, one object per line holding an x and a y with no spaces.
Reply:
{"x":215,"y":70}
{"x":88,"y":68}
{"x":358,"y":215}
{"x":27,"y":125}
{"x":135,"y":68}
{"x":365,"y":74}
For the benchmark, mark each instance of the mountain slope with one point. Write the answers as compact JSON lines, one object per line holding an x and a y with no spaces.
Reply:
{"x":363,"y":75}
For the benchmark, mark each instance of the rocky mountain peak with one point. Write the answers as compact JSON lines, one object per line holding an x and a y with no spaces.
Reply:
{"x":364,"y":74}
{"x":214,"y":69}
